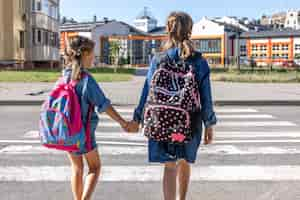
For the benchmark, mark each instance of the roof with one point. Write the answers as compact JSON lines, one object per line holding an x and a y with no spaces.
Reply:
{"x":160,"y":30}
{"x":82,"y":26}
{"x":271,"y":33}
{"x":132,"y":29}
{"x":119,"y":28}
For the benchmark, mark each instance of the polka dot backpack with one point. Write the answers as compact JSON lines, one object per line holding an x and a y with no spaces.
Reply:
{"x":173,"y":98}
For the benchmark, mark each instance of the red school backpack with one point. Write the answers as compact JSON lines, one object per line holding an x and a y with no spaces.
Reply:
{"x":61,"y":126}
{"x":173,"y":98}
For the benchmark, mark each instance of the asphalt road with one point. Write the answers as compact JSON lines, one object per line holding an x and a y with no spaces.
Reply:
{"x":256,"y":155}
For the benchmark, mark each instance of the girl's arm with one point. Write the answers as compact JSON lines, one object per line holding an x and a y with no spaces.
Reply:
{"x":110,"y":111}
{"x":102,"y":104}
{"x":207,"y":111}
{"x":138,"y":112}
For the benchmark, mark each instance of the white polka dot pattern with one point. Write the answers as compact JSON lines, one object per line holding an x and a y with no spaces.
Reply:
{"x":173,"y":97}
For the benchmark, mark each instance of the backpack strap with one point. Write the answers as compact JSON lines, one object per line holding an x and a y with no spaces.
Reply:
{"x":85,"y":78}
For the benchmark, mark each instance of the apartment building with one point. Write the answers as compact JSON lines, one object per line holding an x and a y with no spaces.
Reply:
{"x":29,"y":35}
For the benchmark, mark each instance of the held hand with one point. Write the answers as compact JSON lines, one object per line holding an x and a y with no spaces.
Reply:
{"x":208,"y":137}
{"x":133,"y":127}
{"x":125,"y":125}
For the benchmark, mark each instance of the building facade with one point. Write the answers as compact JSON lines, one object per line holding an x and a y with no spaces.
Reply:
{"x":30,"y":36}
{"x":133,"y":46}
{"x":293,"y":19}
{"x":270,"y":47}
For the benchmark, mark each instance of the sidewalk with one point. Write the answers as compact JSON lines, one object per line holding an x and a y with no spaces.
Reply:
{"x":128,"y":93}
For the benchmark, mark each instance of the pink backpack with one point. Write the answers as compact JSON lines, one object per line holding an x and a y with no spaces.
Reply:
{"x":61,"y":126}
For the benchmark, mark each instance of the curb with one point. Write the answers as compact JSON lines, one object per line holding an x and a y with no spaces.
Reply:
{"x":217,"y":103}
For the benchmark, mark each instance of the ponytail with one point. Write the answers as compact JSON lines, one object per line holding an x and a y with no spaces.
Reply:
{"x":74,"y":51}
{"x":179,"y":28}
{"x":75,"y":70}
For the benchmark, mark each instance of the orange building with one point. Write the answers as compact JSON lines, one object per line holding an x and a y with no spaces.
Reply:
{"x":270,"y":47}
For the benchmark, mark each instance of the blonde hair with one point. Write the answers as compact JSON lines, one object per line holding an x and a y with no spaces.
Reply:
{"x":179,"y":29}
{"x":75,"y":48}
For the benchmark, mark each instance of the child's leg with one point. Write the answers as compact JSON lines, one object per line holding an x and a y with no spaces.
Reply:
{"x":169,"y":181}
{"x":77,"y":175}
{"x":91,"y":180}
{"x":184,"y":172}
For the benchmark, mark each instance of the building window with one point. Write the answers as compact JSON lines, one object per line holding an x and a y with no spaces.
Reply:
{"x":208,"y":45}
{"x":243,"y":48}
{"x":39,"y":36}
{"x":297,"y":47}
{"x":254,"y":55}
{"x":275,"y":56}
{"x":254,"y":47}
{"x":263,"y":48}
{"x":45,"y":6}
{"x":21,"y":5}
{"x":33,"y":5}
{"x":39,"y":5}
{"x":275,"y":47}
{"x":46,"y":38}
{"x":263,"y":55}
{"x":22,"y":39}
{"x":285,"y":47}
{"x":285,"y":56}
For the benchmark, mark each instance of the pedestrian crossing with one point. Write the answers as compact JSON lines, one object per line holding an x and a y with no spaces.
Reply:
{"x":240,"y":134}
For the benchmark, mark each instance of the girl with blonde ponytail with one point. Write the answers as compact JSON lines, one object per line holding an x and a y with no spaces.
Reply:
{"x":175,"y":157}
{"x":78,"y":57}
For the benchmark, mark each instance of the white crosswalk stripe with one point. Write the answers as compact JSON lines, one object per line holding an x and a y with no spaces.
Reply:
{"x":154,"y":173}
{"x":240,"y":132}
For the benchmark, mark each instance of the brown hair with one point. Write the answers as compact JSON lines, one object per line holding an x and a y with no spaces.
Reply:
{"x":75,"y":47}
{"x":179,"y":29}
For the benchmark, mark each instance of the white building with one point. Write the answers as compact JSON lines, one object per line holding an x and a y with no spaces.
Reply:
{"x":292,"y":19}
{"x":145,"y":21}
{"x":233,"y":21}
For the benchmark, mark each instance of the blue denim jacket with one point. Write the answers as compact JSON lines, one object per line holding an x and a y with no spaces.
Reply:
{"x":203,"y":77}
{"x":89,"y":93}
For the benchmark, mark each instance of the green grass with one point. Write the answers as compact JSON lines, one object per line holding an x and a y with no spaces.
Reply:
{"x":43,"y":75}
{"x":257,"y":76}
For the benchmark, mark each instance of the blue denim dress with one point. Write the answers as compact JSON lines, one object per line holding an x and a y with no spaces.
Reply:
{"x":164,"y":152}
{"x":89,"y":93}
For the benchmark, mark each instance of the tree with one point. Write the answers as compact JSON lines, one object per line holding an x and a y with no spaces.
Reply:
{"x":114,"y":53}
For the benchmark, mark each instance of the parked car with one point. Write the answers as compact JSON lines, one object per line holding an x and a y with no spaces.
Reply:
{"x":288,"y":64}
{"x":291,"y":64}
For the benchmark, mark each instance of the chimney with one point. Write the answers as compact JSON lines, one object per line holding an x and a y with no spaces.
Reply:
{"x":95,"y":18}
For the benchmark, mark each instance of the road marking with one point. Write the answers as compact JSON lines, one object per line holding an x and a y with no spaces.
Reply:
{"x":218,"y":110}
{"x":142,"y":150}
{"x":124,"y":110}
{"x":219,"y":134}
{"x":255,"y":124}
{"x":223,"y":124}
{"x":245,"y":116}
{"x":154,"y":173}
{"x":254,"y":134}
{"x":98,"y":142}
{"x":221,"y":116}
{"x":101,"y":135}
{"x":141,"y":143}
{"x":235,"y":110}
{"x":256,"y":141}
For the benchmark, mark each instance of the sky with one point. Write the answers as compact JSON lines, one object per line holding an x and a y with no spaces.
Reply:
{"x":128,"y":10}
